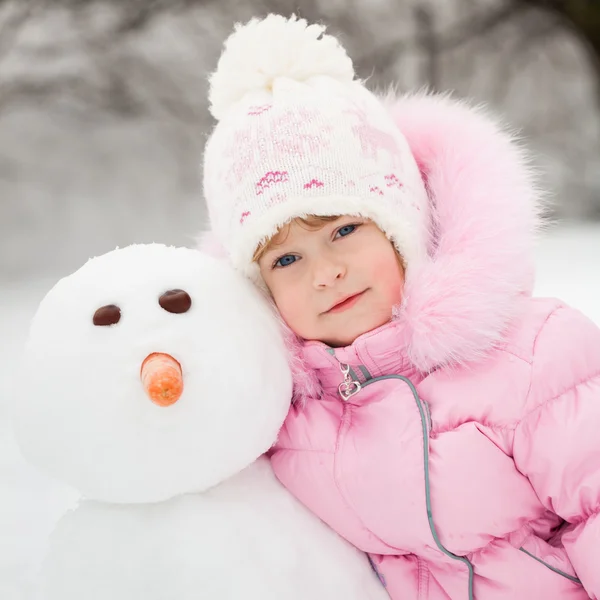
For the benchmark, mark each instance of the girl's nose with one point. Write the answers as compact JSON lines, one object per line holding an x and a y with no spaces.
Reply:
{"x":327,"y":271}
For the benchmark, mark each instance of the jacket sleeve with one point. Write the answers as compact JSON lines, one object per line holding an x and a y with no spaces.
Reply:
{"x":557,"y":442}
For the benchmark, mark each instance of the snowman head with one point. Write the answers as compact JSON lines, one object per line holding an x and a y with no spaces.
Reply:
{"x":150,"y":372}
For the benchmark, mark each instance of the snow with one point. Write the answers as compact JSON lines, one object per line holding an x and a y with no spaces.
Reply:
{"x":30,"y":503}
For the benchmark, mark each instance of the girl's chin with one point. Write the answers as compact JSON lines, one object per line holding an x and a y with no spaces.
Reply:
{"x":348,"y":335}
{"x":347,"y":338}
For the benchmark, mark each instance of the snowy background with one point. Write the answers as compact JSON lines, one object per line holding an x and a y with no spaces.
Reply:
{"x":103,"y":117}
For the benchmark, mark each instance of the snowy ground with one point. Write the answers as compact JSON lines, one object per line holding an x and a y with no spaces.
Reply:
{"x":30,"y":504}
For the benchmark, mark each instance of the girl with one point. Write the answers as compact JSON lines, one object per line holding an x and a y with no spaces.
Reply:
{"x":445,"y":422}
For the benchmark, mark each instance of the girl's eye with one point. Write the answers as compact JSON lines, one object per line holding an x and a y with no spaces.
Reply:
{"x":346,"y":230}
{"x":285,"y":261}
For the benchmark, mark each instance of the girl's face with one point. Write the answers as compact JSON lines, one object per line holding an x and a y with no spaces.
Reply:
{"x":333,"y":283}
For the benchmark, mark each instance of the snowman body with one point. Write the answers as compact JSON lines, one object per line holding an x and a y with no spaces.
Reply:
{"x":179,"y":501}
{"x":245,"y":538}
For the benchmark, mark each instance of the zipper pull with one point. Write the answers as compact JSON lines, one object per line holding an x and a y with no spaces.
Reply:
{"x":349,"y":387}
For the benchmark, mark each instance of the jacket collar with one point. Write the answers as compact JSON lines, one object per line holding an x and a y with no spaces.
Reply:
{"x":376,"y":353}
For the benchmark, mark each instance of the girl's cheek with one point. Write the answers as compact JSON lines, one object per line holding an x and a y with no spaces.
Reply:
{"x":391,"y":273}
{"x":284,"y":299}
{"x":294,"y":302}
{"x":397,"y":289}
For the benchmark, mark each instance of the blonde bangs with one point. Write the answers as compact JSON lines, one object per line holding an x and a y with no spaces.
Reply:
{"x":311,"y":222}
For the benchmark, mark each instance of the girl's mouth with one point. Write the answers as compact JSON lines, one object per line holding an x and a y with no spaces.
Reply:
{"x":346,"y":303}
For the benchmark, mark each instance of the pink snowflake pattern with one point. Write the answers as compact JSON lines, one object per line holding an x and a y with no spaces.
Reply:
{"x":290,"y":133}
{"x":313,"y":183}
{"x":392,"y":181}
{"x":414,"y":203}
{"x":242,"y":155}
{"x":269,"y":179}
{"x":376,"y":190}
{"x":244,"y":216}
{"x":372,"y":139}
{"x":254,"y":111}
{"x":276,"y":199}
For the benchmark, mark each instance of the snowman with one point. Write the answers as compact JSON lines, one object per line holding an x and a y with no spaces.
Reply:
{"x":156,"y":378}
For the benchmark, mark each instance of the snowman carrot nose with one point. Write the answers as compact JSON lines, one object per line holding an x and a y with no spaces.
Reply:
{"x":162,"y":378}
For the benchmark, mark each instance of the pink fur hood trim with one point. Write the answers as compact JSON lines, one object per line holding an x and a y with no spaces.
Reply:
{"x":485,"y":210}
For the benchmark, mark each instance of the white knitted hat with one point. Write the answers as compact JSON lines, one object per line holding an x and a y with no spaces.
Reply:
{"x":298,"y":136}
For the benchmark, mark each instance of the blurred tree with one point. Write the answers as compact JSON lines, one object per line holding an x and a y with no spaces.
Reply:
{"x":371,"y":55}
{"x":103,"y":110}
{"x":583,"y":18}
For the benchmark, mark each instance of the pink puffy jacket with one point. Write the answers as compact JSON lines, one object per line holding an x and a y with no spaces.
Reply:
{"x":468,"y":463}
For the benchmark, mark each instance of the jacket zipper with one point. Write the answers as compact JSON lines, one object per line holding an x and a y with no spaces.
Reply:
{"x":350,"y":387}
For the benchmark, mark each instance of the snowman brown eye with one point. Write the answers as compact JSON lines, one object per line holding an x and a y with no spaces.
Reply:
{"x":175,"y":301}
{"x":107,"y":315}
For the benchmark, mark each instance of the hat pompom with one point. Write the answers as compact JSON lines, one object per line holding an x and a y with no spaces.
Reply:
{"x":263,"y":50}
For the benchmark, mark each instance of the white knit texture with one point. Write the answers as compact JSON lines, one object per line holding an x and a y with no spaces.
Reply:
{"x":319,"y":146}
{"x":257,"y":53}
